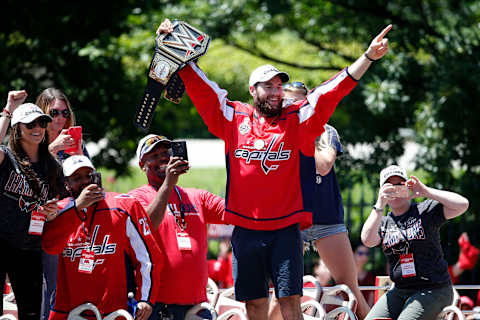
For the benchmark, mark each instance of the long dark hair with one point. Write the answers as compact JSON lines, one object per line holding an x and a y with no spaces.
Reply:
{"x":50,"y":166}
{"x":48,"y":96}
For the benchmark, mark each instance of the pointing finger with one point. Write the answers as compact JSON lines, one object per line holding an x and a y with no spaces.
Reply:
{"x":384,"y":32}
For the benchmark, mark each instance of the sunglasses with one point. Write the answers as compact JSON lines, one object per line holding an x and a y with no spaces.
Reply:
{"x":295,"y":85}
{"x":65,"y":113}
{"x":41,"y":122}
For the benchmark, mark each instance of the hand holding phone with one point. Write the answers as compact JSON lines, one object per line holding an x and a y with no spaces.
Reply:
{"x":97,"y":178}
{"x":179,"y":149}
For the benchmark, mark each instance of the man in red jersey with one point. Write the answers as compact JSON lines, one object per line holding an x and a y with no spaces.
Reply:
{"x":93,"y":234}
{"x":179,"y":217}
{"x":269,"y":151}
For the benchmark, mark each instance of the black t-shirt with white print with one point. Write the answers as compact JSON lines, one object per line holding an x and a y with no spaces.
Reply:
{"x":417,"y":231}
{"x":16,"y":205}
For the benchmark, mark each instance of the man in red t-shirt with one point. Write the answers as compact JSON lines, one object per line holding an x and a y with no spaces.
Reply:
{"x":179,"y":217}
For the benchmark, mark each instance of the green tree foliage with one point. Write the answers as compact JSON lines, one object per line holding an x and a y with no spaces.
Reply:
{"x":98,"y":53}
{"x":427,"y":83}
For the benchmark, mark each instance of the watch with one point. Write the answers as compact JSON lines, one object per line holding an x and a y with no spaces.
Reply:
{"x":377,"y":209}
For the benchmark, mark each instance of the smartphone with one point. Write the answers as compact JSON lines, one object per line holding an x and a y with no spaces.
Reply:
{"x":97,"y":178}
{"x":76,"y":134}
{"x":179,"y":149}
{"x":401,"y":191}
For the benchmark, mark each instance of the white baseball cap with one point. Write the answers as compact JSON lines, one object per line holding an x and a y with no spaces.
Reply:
{"x":391,"y":171}
{"x":149,"y":142}
{"x":28,"y":112}
{"x":73,"y":163}
{"x":265,"y":73}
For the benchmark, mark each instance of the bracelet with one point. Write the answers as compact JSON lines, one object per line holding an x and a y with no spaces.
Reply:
{"x":6,"y":115}
{"x":366,"y":56}
{"x":377,"y":209}
{"x":5,"y":110}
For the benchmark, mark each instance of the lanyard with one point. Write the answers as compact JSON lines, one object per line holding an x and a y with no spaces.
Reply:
{"x":91,"y":222}
{"x":182,"y":225}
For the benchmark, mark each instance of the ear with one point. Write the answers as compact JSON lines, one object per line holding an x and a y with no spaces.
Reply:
{"x":142,"y":166}
{"x":253,"y":91}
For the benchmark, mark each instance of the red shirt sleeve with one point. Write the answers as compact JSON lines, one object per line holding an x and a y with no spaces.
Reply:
{"x":56,"y":232}
{"x":322,"y":101}
{"x":213,"y":208}
{"x":147,"y":257}
{"x":209,"y":99}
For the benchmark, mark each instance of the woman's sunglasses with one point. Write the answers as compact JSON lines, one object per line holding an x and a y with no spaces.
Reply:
{"x":65,"y":113}
{"x":41,"y":122}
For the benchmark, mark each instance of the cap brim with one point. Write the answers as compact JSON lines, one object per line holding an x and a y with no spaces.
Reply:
{"x":392,"y":175}
{"x":33,"y":116}
{"x":71,"y":170}
{"x":166,"y":142}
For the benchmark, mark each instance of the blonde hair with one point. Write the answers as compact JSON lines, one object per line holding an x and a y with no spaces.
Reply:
{"x":48,"y":96}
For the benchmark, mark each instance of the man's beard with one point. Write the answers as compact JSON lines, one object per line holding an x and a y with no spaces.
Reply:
{"x":266,"y":108}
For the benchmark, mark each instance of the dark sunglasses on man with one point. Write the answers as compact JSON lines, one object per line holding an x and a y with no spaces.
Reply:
{"x":295,"y":85}
{"x":65,"y":113}
{"x":41,"y":122}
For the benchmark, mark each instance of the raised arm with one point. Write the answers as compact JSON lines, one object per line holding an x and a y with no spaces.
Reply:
{"x":209,"y":99}
{"x":156,"y":209}
{"x":327,"y":147}
{"x":369,"y":234}
{"x":377,"y":49}
{"x":453,"y":203}
{"x":15,"y":98}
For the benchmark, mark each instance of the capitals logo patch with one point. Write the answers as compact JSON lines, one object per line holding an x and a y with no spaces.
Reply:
{"x":244,"y":127}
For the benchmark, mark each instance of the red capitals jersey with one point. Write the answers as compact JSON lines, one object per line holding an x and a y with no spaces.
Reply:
{"x":117,"y":228}
{"x":184,"y":277}
{"x":270,"y":165}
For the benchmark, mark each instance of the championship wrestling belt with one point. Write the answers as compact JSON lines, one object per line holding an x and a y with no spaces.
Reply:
{"x":173,"y":51}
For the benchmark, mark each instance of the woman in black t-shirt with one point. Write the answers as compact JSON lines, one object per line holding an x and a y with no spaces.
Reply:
{"x":30,"y":180}
{"x":410,"y":239}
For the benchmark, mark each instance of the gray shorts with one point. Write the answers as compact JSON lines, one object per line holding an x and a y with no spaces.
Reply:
{"x":319,"y":231}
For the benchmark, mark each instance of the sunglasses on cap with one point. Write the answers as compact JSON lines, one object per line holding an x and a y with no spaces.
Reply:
{"x":54,"y":113}
{"x":296,"y":85}
{"x":41,"y":122}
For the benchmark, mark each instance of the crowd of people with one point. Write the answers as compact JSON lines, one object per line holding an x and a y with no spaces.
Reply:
{"x":84,"y":244}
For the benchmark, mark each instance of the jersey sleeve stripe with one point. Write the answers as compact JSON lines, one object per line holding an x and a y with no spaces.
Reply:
{"x":143,"y":256}
{"x":307,"y":111}
{"x":227,"y":110}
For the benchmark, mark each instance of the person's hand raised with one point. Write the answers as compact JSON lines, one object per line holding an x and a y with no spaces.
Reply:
{"x":165,"y":27}
{"x":379,"y":46}
{"x":15,"y":98}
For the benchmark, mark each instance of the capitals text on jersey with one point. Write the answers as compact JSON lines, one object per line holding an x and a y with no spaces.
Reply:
{"x":104,"y":248}
{"x":264,"y":155}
